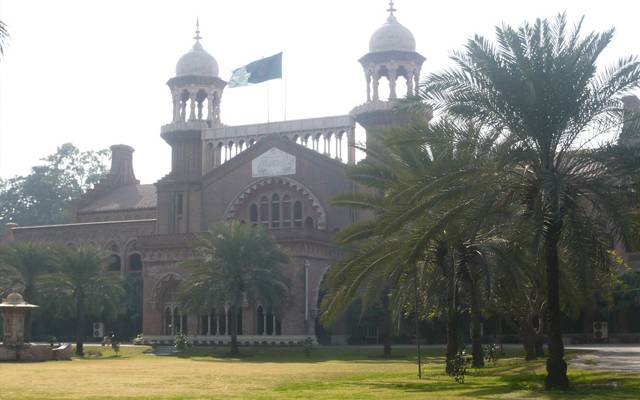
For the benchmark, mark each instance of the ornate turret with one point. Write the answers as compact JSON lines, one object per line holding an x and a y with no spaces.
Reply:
{"x":196,"y":89}
{"x":392,"y":55}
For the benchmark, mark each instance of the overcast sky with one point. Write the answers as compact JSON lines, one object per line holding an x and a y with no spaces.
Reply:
{"x":93,"y":72}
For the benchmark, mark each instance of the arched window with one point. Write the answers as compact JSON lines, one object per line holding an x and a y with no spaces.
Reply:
{"x":308,"y":223}
{"x":222,"y":322}
{"x":275,"y":211}
{"x":286,"y":211}
{"x":204,"y":325}
{"x":135,"y":262}
{"x":278,"y":326}
{"x":168,"y":320}
{"x":270,"y":324}
{"x":213,"y":322}
{"x":264,"y":211}
{"x":239,"y":321}
{"x":297,"y":214}
{"x":177,"y":321}
{"x":253,"y":214}
{"x":260,"y":321}
{"x":114,"y":263}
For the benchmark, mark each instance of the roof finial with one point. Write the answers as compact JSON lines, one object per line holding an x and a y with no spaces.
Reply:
{"x":197,"y":37}
{"x":391,"y":10}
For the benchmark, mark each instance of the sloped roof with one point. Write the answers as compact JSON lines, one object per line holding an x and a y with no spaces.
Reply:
{"x":129,"y":197}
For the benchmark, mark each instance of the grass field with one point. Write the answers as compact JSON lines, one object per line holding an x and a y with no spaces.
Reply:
{"x":285,"y":373}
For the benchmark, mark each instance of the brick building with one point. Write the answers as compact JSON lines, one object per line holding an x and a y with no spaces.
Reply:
{"x":280,"y":175}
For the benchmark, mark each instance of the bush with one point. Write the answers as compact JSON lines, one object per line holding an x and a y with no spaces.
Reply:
{"x":492,"y":352}
{"x":308,"y":346}
{"x":459,"y":366}
{"x":182,"y":342}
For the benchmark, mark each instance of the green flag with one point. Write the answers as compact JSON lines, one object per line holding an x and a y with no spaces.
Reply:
{"x":257,"y":71}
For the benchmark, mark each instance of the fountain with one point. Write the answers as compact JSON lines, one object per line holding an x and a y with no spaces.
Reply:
{"x":14,"y":310}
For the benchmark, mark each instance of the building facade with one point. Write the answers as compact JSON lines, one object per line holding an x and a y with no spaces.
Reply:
{"x":278,"y":175}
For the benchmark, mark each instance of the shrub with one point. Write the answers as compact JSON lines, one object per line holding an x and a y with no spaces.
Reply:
{"x":459,"y":366}
{"x":182,"y":342}
{"x":491,"y":353}
{"x":308,"y":346}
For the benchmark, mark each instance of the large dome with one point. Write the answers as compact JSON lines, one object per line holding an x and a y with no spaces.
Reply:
{"x":392,"y":36}
{"x":197,"y":62}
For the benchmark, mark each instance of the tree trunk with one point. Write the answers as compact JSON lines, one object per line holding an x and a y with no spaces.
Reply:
{"x":386,"y":325}
{"x":529,"y":337}
{"x":234,"y":331}
{"x":476,"y":331}
{"x":556,"y":366}
{"x":452,"y":316}
{"x":416,"y":297}
{"x":80,"y":325}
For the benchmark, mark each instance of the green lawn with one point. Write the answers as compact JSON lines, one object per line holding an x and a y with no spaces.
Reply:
{"x":285,"y":373}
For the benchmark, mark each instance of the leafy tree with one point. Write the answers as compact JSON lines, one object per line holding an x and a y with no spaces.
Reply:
{"x":21,"y":264}
{"x":234,"y":262}
{"x":4,"y":36}
{"x":44,"y":196}
{"x":82,"y":287}
{"x":540,"y":87}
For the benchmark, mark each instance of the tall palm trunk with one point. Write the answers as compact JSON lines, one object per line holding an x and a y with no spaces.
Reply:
{"x":452,"y":323}
{"x":448,"y":269}
{"x":476,"y":331}
{"x":80,"y":324}
{"x":386,"y":325}
{"x":556,"y":366}
{"x":234,"y":330}
{"x":529,"y":337}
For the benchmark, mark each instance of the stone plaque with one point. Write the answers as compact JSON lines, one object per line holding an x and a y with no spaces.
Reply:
{"x":273,"y":162}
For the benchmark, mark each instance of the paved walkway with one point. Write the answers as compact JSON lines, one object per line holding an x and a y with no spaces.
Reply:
{"x":607,"y":358}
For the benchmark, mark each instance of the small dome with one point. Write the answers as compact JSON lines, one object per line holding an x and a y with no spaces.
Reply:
{"x":14,"y":298}
{"x":392,"y":36}
{"x":197,"y":62}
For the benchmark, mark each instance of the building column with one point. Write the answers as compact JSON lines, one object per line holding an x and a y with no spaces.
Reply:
{"x":376,"y":84}
{"x":192,"y":107}
{"x":210,"y":99}
{"x":339,"y":146}
{"x":367,"y":77}
{"x":392,"y":85}
{"x":264,"y":321}
{"x":416,"y":80}
{"x":351,"y":144}
{"x":409,"y":84}
{"x":176,"y":107}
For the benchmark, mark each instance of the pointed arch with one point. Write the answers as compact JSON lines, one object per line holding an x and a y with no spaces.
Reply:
{"x":232,"y":208}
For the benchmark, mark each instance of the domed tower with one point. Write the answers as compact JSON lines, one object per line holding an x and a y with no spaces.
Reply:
{"x":392,"y":55}
{"x":196,"y":91}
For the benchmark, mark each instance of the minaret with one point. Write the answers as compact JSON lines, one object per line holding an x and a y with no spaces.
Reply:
{"x":196,"y":91}
{"x":392,"y":55}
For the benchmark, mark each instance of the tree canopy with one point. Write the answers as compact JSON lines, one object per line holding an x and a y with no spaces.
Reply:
{"x":44,"y":196}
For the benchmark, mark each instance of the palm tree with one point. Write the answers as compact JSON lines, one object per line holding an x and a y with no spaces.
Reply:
{"x":422,"y":178}
{"x":234,"y":262}
{"x":82,"y":286}
{"x":20,"y":265}
{"x":4,"y":36}
{"x":540,"y":87}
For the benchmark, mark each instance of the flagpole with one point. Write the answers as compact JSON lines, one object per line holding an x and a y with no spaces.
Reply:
{"x":284,"y":82}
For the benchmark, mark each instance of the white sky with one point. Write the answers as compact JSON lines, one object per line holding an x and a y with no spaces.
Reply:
{"x":93,"y":72}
